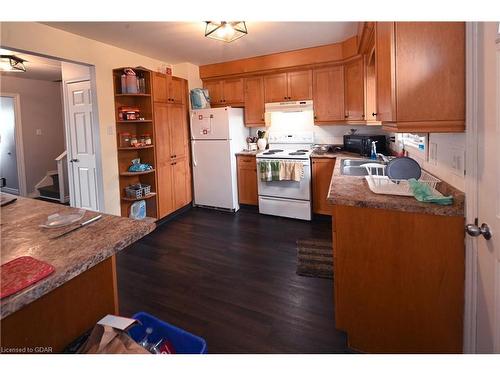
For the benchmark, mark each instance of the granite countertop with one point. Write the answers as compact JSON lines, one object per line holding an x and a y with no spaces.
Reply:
{"x":354,"y":191}
{"x":326,"y":155}
{"x":71,"y":255}
{"x":248,"y":153}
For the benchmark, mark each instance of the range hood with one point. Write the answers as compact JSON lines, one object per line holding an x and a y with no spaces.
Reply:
{"x":296,"y":106}
{"x":304,"y":107}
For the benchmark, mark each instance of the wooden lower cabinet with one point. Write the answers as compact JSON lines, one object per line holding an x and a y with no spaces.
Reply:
{"x":399,"y":280}
{"x":182,"y":183}
{"x":174,"y":185}
{"x":322,"y":169}
{"x":247,"y":180}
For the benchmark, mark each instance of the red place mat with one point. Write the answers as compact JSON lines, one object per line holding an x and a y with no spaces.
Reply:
{"x":20,"y":273}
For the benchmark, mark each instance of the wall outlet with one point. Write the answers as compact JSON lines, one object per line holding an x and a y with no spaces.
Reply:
{"x":433,"y":153}
{"x":110,"y":130}
{"x":38,"y":131}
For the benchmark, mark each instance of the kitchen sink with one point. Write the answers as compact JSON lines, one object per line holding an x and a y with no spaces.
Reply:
{"x":352,"y":167}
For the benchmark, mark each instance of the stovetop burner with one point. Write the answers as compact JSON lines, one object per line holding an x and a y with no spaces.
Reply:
{"x":274,"y":150}
{"x":297,"y":153}
{"x":302,"y":151}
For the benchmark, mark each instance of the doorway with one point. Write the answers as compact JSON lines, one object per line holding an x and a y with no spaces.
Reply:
{"x":11,"y":156}
{"x":482,"y":298}
{"x":60,"y":138}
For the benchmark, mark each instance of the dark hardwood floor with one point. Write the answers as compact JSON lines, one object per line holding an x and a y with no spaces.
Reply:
{"x":231,"y":279}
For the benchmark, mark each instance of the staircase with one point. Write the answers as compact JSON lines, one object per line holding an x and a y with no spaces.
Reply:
{"x":51,"y":191}
{"x":54,"y":185}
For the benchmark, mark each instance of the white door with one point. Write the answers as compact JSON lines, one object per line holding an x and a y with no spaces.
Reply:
{"x":8,"y":158}
{"x":488,"y":173}
{"x":210,"y":124}
{"x":81,"y":150}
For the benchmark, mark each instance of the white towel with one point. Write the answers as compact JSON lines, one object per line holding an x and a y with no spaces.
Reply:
{"x":291,"y":170}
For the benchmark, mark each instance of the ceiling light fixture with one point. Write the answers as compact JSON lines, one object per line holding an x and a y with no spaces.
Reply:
{"x":11,"y":63}
{"x":225,"y":31}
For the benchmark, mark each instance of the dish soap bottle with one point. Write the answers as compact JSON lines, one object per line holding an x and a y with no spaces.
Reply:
{"x":373,"y":154}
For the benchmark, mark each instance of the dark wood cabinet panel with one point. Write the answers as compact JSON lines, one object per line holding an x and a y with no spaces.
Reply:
{"x":328,"y":94}
{"x":247,"y":180}
{"x":322,"y":170}
{"x":254,"y":101}
{"x":354,"y":93}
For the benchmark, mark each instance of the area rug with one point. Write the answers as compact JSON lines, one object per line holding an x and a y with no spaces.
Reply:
{"x":315,"y":258}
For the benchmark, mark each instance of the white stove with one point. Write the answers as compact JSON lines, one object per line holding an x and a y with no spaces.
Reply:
{"x":287,"y":198}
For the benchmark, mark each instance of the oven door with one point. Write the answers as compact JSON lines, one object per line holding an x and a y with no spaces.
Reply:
{"x":288,"y":189}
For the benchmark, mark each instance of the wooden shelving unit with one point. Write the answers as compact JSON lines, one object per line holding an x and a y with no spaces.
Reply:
{"x":151,"y":195}
{"x":132,"y":94}
{"x":134,"y":148}
{"x":144,"y":102}
{"x":131,"y":174}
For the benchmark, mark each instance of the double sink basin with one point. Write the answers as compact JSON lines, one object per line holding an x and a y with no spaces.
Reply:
{"x":352,"y":167}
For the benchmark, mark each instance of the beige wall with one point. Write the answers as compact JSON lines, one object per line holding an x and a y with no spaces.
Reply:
{"x":42,"y":39}
{"x":41,"y":108}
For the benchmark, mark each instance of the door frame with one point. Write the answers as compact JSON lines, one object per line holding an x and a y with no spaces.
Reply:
{"x":95,"y":134}
{"x":18,"y":132}
{"x":473,"y":63}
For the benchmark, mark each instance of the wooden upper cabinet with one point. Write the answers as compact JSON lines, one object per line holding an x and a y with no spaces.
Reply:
{"x":295,"y":85}
{"x":299,"y":85}
{"x":328,"y":94}
{"x":275,"y":88}
{"x":420,"y":76}
{"x":160,"y":88}
{"x":214,"y":91}
{"x":168,"y":89}
{"x":233,"y":90}
{"x":385,"y":71}
{"x":225,"y":92}
{"x":354,"y":93}
{"x":254,"y":101}
{"x":176,"y":90}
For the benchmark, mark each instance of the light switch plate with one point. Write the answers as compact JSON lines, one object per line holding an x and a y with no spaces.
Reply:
{"x":110,"y":130}
{"x":457,"y":161}
{"x":433,"y":153}
{"x":38,"y":131}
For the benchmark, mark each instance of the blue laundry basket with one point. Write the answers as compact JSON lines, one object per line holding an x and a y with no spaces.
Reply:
{"x":182,"y":341}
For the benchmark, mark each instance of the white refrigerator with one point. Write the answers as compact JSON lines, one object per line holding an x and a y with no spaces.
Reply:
{"x":217,"y":134}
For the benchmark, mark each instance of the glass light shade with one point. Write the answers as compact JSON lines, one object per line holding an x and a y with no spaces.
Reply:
{"x":11,"y":63}
{"x":225,"y":31}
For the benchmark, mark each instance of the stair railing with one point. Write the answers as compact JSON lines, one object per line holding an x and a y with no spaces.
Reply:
{"x":61,"y":162}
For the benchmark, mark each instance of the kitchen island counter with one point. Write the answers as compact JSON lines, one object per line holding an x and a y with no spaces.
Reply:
{"x":79,"y":258}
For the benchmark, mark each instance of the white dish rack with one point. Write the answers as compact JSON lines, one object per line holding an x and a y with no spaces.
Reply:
{"x":379,"y":183}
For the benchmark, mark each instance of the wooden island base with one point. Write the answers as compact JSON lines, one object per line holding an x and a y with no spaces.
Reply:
{"x":61,"y":316}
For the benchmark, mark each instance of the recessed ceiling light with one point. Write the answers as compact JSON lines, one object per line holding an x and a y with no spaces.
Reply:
{"x":225,"y":31}
{"x":11,"y":63}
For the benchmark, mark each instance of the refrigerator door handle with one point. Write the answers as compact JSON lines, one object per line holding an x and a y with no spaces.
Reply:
{"x":193,"y":153}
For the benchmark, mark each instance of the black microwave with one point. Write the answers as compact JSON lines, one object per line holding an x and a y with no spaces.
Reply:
{"x":361,"y":144}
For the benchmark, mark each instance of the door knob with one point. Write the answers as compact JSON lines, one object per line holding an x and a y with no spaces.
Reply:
{"x":475,"y":231}
{"x":74,"y":161}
